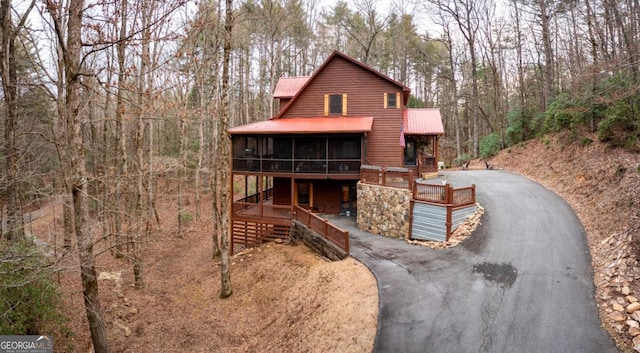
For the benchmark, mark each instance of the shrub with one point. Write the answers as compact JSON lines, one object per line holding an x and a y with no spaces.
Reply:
{"x":29,"y":298}
{"x":185,"y":216}
{"x":489,"y":145}
{"x":462,"y":159}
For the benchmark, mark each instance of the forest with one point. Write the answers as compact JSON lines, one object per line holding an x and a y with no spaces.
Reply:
{"x":104,"y":100}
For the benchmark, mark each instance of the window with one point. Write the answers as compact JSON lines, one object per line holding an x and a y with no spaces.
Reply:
{"x":335,"y":104}
{"x":391,"y":100}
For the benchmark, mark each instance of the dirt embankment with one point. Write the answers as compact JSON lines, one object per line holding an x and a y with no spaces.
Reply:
{"x":602,"y":184}
{"x":285,"y":298}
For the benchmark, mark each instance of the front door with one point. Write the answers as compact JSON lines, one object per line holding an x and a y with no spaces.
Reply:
{"x":304,"y":195}
{"x":348,"y":199}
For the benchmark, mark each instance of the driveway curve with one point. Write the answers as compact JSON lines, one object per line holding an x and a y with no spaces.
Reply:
{"x":522,"y":282}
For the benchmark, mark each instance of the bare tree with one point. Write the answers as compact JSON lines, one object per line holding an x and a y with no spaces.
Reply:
{"x":71,"y":50}
{"x":8,"y":73}
{"x":223,"y":152}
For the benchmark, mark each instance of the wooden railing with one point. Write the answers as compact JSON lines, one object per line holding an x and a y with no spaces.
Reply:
{"x":444,"y":194}
{"x":266,"y":195}
{"x":322,"y":226}
{"x":427,"y":164}
{"x":393,"y":177}
{"x":253,"y":210}
{"x":298,"y":165}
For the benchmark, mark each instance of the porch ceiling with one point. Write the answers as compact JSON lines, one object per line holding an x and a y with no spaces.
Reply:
{"x":315,"y":125}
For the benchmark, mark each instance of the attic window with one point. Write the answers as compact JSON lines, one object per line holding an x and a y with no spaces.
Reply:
{"x":391,"y":100}
{"x":335,"y":104}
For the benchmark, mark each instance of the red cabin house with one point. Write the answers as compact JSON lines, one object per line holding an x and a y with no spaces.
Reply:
{"x":346,"y":115}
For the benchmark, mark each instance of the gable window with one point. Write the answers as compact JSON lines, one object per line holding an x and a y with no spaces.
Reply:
{"x":391,"y":100}
{"x":335,"y":104}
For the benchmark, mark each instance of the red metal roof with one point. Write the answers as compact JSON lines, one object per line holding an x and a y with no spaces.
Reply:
{"x":313,"y":125}
{"x":287,"y":87}
{"x":423,"y":122}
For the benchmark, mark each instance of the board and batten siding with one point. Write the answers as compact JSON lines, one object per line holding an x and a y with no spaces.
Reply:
{"x":365,"y":97}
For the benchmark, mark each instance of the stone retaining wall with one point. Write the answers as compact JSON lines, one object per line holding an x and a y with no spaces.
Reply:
{"x":316,"y":242}
{"x":384,"y":210}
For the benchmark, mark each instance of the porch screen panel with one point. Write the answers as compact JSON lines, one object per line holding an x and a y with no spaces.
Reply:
{"x":345,"y":154}
{"x":277,"y":155}
{"x":245,"y":153}
{"x":310,"y":154}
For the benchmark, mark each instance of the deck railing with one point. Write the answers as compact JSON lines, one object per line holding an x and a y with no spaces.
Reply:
{"x":393,"y":177}
{"x":297,"y":165}
{"x":444,"y":194}
{"x":427,"y":164}
{"x":253,"y":210}
{"x":255,"y":198}
{"x":323,"y":227}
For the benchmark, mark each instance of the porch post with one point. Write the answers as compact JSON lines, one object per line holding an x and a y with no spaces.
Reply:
{"x":293,"y":194}
{"x":259,"y":194}
{"x":436,"y":150}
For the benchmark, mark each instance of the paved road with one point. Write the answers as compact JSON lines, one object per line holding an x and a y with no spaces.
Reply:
{"x":521,"y":283}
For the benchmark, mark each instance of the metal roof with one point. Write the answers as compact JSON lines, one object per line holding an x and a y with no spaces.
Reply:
{"x":313,"y":125}
{"x":425,"y":121}
{"x":287,"y":87}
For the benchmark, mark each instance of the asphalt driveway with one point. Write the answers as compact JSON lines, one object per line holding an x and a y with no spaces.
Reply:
{"x":521,"y":283}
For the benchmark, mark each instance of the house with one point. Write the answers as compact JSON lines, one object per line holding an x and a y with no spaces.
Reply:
{"x":330,"y":124}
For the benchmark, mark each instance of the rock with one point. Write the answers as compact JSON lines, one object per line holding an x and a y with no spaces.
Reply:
{"x":636,"y":348}
{"x":636,"y":316}
{"x":135,"y":311}
{"x":120,"y":295}
{"x":618,"y":307}
{"x":631,"y":299}
{"x":127,"y":331}
{"x":633,"y":323}
{"x":633,"y":331}
{"x":620,"y":300}
{"x":625,"y":290}
{"x":636,"y":341}
{"x":617,"y":316}
{"x":633,"y":307}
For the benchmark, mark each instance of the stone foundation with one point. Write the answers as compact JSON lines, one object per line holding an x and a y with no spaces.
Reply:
{"x":384,"y":210}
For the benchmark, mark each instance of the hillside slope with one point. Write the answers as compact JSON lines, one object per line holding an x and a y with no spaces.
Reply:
{"x":602,"y":184}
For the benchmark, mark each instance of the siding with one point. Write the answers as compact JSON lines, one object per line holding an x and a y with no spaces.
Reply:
{"x":365,"y":97}
{"x":281,"y":191}
{"x":429,"y":221}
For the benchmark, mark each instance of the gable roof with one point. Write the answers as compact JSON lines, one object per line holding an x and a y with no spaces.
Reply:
{"x":406,"y":90}
{"x":287,"y":87}
{"x":313,"y":125}
{"x":426,"y":121}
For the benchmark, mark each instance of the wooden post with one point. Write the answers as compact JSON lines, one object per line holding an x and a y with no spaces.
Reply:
{"x":449,"y":204}
{"x":473,"y":193}
{"x":260,"y":190}
{"x":411,"y":204}
{"x":449,"y":222}
{"x":293,"y":194}
{"x":346,"y":241}
{"x":384,"y":176}
{"x":410,"y":177}
{"x":326,"y":228}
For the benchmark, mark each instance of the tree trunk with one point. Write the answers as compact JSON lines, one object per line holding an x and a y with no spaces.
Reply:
{"x":223,"y":154}
{"x":15,"y":220}
{"x":79,"y":178}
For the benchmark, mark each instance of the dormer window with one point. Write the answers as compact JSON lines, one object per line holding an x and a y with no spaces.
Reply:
{"x":335,"y":104}
{"x":391,"y":100}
